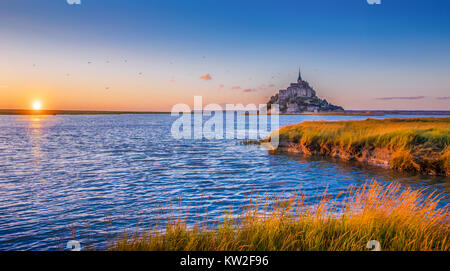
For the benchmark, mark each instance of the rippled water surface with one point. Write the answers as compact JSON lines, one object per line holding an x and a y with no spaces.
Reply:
{"x":99,"y":175}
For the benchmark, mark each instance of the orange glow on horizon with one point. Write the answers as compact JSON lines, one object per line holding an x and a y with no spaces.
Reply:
{"x":37,"y":105}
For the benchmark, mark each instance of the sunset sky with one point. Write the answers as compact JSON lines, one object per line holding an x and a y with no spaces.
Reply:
{"x":151,"y":55}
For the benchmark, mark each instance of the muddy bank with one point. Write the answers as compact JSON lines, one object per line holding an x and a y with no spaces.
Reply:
{"x":383,"y":157}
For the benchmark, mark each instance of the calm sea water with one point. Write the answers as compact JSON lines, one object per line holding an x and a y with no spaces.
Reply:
{"x":96,"y":176}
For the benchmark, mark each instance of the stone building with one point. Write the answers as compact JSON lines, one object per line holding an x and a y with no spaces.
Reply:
{"x":300,"y":97}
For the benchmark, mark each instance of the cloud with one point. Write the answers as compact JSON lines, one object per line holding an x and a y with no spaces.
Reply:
{"x":172,"y":81}
{"x":206,"y":77}
{"x":221,"y":85}
{"x":443,"y":98}
{"x":401,"y":98}
{"x":243,"y":89}
{"x":271,"y":85}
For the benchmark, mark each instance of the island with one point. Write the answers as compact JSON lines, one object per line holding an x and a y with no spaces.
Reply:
{"x":300,"y":97}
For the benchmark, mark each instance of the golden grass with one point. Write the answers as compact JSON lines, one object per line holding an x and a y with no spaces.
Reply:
{"x":398,"y":219}
{"x":416,"y":144}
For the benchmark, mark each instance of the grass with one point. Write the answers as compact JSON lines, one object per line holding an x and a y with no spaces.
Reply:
{"x":416,"y":144}
{"x":399,"y":219}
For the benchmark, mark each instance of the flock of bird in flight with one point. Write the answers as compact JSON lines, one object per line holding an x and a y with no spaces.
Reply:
{"x":90,"y":62}
{"x":141,"y":73}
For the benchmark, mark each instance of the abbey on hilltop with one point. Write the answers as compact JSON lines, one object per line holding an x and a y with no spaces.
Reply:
{"x":300,"y":97}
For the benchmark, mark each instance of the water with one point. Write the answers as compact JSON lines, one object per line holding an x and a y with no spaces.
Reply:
{"x":102,"y":174}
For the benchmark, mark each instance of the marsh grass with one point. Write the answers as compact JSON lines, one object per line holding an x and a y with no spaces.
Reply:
{"x":399,"y":219}
{"x":416,"y":144}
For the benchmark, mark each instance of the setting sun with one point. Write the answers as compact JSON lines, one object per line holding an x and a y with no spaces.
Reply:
{"x":37,"y":105}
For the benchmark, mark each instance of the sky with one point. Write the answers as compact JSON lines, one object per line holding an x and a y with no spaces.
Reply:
{"x":152,"y":54}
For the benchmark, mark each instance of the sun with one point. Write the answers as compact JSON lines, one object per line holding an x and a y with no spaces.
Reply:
{"x":37,"y":105}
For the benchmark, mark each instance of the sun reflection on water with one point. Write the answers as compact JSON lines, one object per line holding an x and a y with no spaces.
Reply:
{"x":35,"y":125}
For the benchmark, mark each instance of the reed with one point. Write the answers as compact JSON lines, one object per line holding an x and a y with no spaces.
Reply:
{"x":400,"y":219}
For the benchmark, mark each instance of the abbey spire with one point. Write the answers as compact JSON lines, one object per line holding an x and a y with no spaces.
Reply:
{"x":299,"y":80}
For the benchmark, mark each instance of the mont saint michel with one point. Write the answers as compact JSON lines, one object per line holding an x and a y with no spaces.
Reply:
{"x":301,"y":97}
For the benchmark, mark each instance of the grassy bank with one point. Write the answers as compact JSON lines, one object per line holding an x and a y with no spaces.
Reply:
{"x":417,"y":144}
{"x":399,"y":220}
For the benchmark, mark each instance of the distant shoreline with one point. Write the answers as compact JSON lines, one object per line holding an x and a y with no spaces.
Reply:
{"x":365,"y":113}
{"x":95,"y":112}
{"x":72,"y":112}
{"x":372,"y":113}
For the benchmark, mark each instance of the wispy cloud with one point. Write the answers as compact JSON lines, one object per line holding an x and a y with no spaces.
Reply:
{"x":248,"y":90}
{"x":271,"y":85}
{"x":206,"y":77}
{"x":401,"y":98}
{"x":443,"y":98}
{"x":236,"y":87}
{"x":221,"y":85}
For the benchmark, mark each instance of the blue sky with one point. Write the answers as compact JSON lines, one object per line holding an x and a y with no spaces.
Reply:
{"x":150,"y":55}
